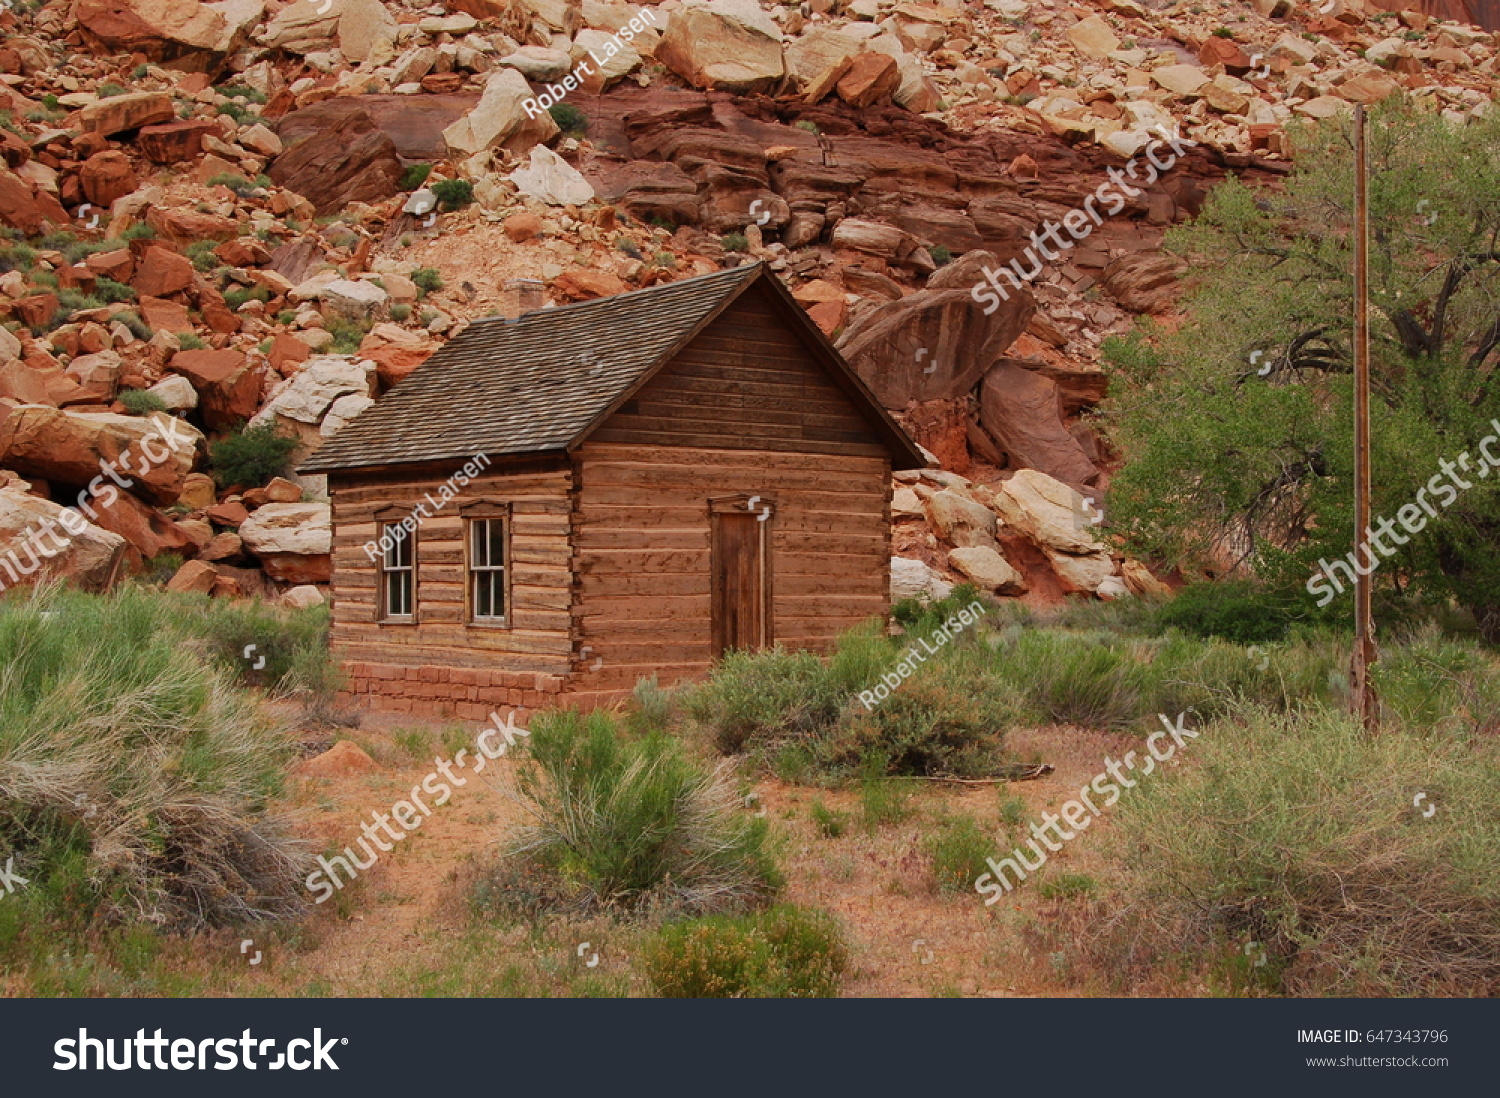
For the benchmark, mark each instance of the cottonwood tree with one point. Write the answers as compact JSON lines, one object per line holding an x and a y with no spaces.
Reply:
{"x":1237,"y":428}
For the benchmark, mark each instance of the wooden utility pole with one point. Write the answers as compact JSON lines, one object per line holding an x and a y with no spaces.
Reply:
{"x":1365,"y":702}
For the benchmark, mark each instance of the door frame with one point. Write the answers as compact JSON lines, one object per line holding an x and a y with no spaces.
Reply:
{"x":742,"y":503}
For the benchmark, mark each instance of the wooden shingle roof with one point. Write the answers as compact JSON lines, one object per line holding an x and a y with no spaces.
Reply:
{"x":540,"y":382}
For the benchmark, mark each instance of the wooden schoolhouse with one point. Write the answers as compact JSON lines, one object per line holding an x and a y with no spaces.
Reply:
{"x":555,"y":505}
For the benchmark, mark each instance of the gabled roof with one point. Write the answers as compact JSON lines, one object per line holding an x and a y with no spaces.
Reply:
{"x":541,"y":382}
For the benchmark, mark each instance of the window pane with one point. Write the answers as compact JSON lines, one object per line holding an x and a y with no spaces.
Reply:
{"x":497,"y":542}
{"x":481,"y":597}
{"x":497,"y":595}
{"x":398,"y":594}
{"x":479,"y":543}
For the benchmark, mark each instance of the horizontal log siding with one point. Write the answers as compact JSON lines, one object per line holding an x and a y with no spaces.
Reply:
{"x":642,"y":546}
{"x":442,"y":665}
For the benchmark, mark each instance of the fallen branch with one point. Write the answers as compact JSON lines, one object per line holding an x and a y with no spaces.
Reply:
{"x":1021,"y":772}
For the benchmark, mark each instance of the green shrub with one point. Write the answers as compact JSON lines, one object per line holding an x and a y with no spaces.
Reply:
{"x":251,"y":456}
{"x":569,"y":119}
{"x":239,"y":91}
{"x":201,"y":252}
{"x":736,"y":242}
{"x":133,"y":320}
{"x":237,"y":111}
{"x":139,"y":402}
{"x":786,"y":952}
{"x":238,"y":295}
{"x":958,"y":849}
{"x":400,"y":312}
{"x":1237,"y":611}
{"x":17,"y":257}
{"x":629,"y":247}
{"x":427,"y":279}
{"x":453,"y":194}
{"x":347,"y":334}
{"x":808,"y":125}
{"x":763,"y":702}
{"x":829,"y":822}
{"x":139,"y":231}
{"x":940,"y":255}
{"x":882,"y":800}
{"x":1301,"y":833}
{"x":104,"y":91}
{"x":134,"y":781}
{"x":161,"y":568}
{"x":414,"y":175}
{"x":189,"y":341}
{"x":111,"y":292}
{"x":622,"y":824}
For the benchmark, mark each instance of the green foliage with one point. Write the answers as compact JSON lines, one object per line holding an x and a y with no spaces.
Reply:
{"x":808,"y":125}
{"x":133,"y":320}
{"x":17,"y":257}
{"x":940,"y":254}
{"x":453,"y":194}
{"x":400,"y":312}
{"x":241,"y":186}
{"x":134,"y":782}
{"x":569,"y":119}
{"x":1299,"y":833}
{"x":104,"y":91}
{"x":1237,"y":430}
{"x":74,"y":301}
{"x":139,"y":231}
{"x":138,"y":402}
{"x":414,"y":175}
{"x":958,"y":849}
{"x":882,"y":800}
{"x":627,"y":823}
{"x":829,"y":822}
{"x":1239,"y":611}
{"x":201,"y":252}
{"x":239,"y":91}
{"x":786,"y":952}
{"x":347,"y":334}
{"x":628,"y":246}
{"x":189,"y":341}
{"x":111,"y":292}
{"x":429,"y":280}
{"x":237,"y":111}
{"x":736,"y":242}
{"x":238,"y":295}
{"x":251,"y":456}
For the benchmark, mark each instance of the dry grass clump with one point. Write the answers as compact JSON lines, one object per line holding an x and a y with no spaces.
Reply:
{"x":1299,"y":833}
{"x":134,"y":777}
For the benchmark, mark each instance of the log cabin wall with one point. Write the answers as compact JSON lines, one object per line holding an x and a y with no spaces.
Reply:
{"x":743,"y":410}
{"x":442,"y":663}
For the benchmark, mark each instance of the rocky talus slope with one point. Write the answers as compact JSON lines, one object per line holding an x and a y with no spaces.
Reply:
{"x":246,"y":212}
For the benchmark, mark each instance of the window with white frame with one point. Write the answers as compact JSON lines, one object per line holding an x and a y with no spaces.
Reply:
{"x":398,"y":574}
{"x":488,"y":591}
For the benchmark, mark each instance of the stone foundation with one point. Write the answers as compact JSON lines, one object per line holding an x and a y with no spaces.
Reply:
{"x":467,"y":693}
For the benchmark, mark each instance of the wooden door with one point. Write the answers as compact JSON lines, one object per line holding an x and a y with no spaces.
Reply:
{"x":741,"y":579}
